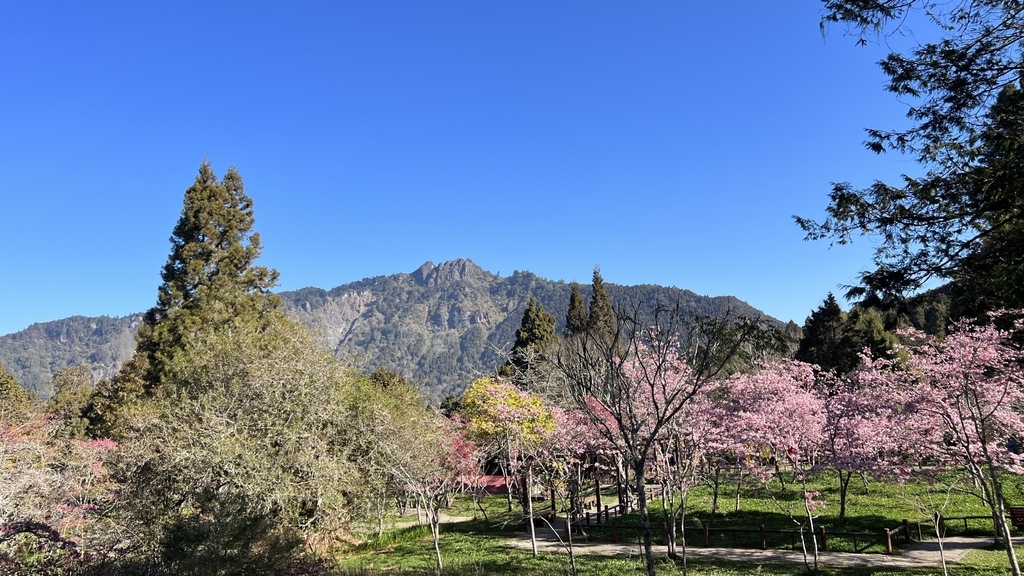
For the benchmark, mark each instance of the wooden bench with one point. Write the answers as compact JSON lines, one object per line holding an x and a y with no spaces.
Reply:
{"x":1017,"y":516}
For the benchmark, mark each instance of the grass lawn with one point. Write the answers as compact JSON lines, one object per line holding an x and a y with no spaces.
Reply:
{"x":473,"y":549}
{"x":479,"y":547}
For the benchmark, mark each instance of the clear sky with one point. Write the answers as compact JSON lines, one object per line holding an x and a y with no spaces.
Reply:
{"x":668,"y":142}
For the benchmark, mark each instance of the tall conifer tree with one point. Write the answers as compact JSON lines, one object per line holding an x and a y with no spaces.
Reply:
{"x":14,"y":400}
{"x":576,"y":316}
{"x":534,"y":338}
{"x":824,"y":337}
{"x":209,"y":279}
{"x":210,"y":276}
{"x":601,"y":321}
{"x":537,"y":330}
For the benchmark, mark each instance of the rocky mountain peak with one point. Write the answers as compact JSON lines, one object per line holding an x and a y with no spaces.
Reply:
{"x":447,"y":273}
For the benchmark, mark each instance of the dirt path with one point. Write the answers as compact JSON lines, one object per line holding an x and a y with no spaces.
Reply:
{"x":407,"y":521}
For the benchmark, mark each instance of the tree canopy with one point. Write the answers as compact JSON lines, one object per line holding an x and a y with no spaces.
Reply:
{"x":210,"y":276}
{"x":834,"y":339}
{"x":576,"y":315}
{"x":246,"y":449}
{"x":960,"y":221}
{"x":601,"y":320}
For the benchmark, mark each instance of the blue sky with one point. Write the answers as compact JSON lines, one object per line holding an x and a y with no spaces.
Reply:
{"x":668,"y":142}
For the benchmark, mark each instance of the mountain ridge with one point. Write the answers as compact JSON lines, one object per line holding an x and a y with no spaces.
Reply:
{"x":440,"y":325}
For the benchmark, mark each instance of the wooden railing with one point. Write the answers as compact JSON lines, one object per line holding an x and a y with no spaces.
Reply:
{"x":610,"y":518}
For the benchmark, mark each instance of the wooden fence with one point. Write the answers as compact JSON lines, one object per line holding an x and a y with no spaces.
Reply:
{"x":610,"y":518}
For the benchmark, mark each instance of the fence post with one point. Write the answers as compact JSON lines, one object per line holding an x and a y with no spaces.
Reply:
{"x":764,"y":540}
{"x":707,"y":535}
{"x":824,"y":543}
{"x":888,"y":541}
{"x":906,"y":531}
{"x":605,"y":514}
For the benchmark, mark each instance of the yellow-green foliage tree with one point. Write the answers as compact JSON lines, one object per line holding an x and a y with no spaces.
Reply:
{"x":502,"y":416}
{"x":511,"y":426}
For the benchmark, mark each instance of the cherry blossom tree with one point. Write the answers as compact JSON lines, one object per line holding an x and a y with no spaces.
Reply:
{"x":685,"y":445}
{"x":565,"y":453}
{"x":428,"y":456}
{"x":871,"y":426}
{"x":635,"y":383}
{"x":52,"y":488}
{"x":967,"y":393}
{"x":776,"y":417}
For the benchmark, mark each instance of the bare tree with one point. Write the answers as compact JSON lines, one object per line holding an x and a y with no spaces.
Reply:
{"x":634,"y":382}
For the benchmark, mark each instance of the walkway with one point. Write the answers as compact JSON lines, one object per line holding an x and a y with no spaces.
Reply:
{"x":914,"y":554}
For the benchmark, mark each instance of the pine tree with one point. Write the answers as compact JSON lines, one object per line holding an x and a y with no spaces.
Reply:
{"x":112,"y":398}
{"x":210,"y":276}
{"x":576,"y":316}
{"x":824,"y":335}
{"x":537,"y":330}
{"x":15,"y":402}
{"x":534,"y":338}
{"x":601,"y":322}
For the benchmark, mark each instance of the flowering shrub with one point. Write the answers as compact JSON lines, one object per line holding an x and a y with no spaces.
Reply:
{"x":52,"y":490}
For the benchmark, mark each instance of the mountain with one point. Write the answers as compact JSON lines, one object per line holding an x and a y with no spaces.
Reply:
{"x":35,"y":353}
{"x":442,"y":325}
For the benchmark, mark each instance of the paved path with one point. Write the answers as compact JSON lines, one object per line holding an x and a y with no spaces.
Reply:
{"x":914,"y":554}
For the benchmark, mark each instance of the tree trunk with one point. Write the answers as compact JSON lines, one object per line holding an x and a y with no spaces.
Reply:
{"x":626,"y":497}
{"x":434,"y":518}
{"x":715,"y":485}
{"x":528,"y":492}
{"x":778,"y":474}
{"x":814,"y":537}
{"x":739,"y":486}
{"x":508,"y":484}
{"x":682,"y":524}
{"x":568,"y":538}
{"x":999,"y":517}
{"x":938,"y":536}
{"x":844,"y":485}
{"x":645,"y":519}
{"x":668,"y":505}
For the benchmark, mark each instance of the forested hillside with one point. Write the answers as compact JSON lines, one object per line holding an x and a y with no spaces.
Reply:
{"x":35,"y":353}
{"x":441,"y":326}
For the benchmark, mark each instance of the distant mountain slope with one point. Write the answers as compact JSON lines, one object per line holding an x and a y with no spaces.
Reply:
{"x":442,"y":326}
{"x":35,"y":353}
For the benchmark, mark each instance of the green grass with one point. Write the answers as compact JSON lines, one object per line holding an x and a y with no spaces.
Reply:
{"x":881,"y":506}
{"x":468,"y":549}
{"x":479,"y":547}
